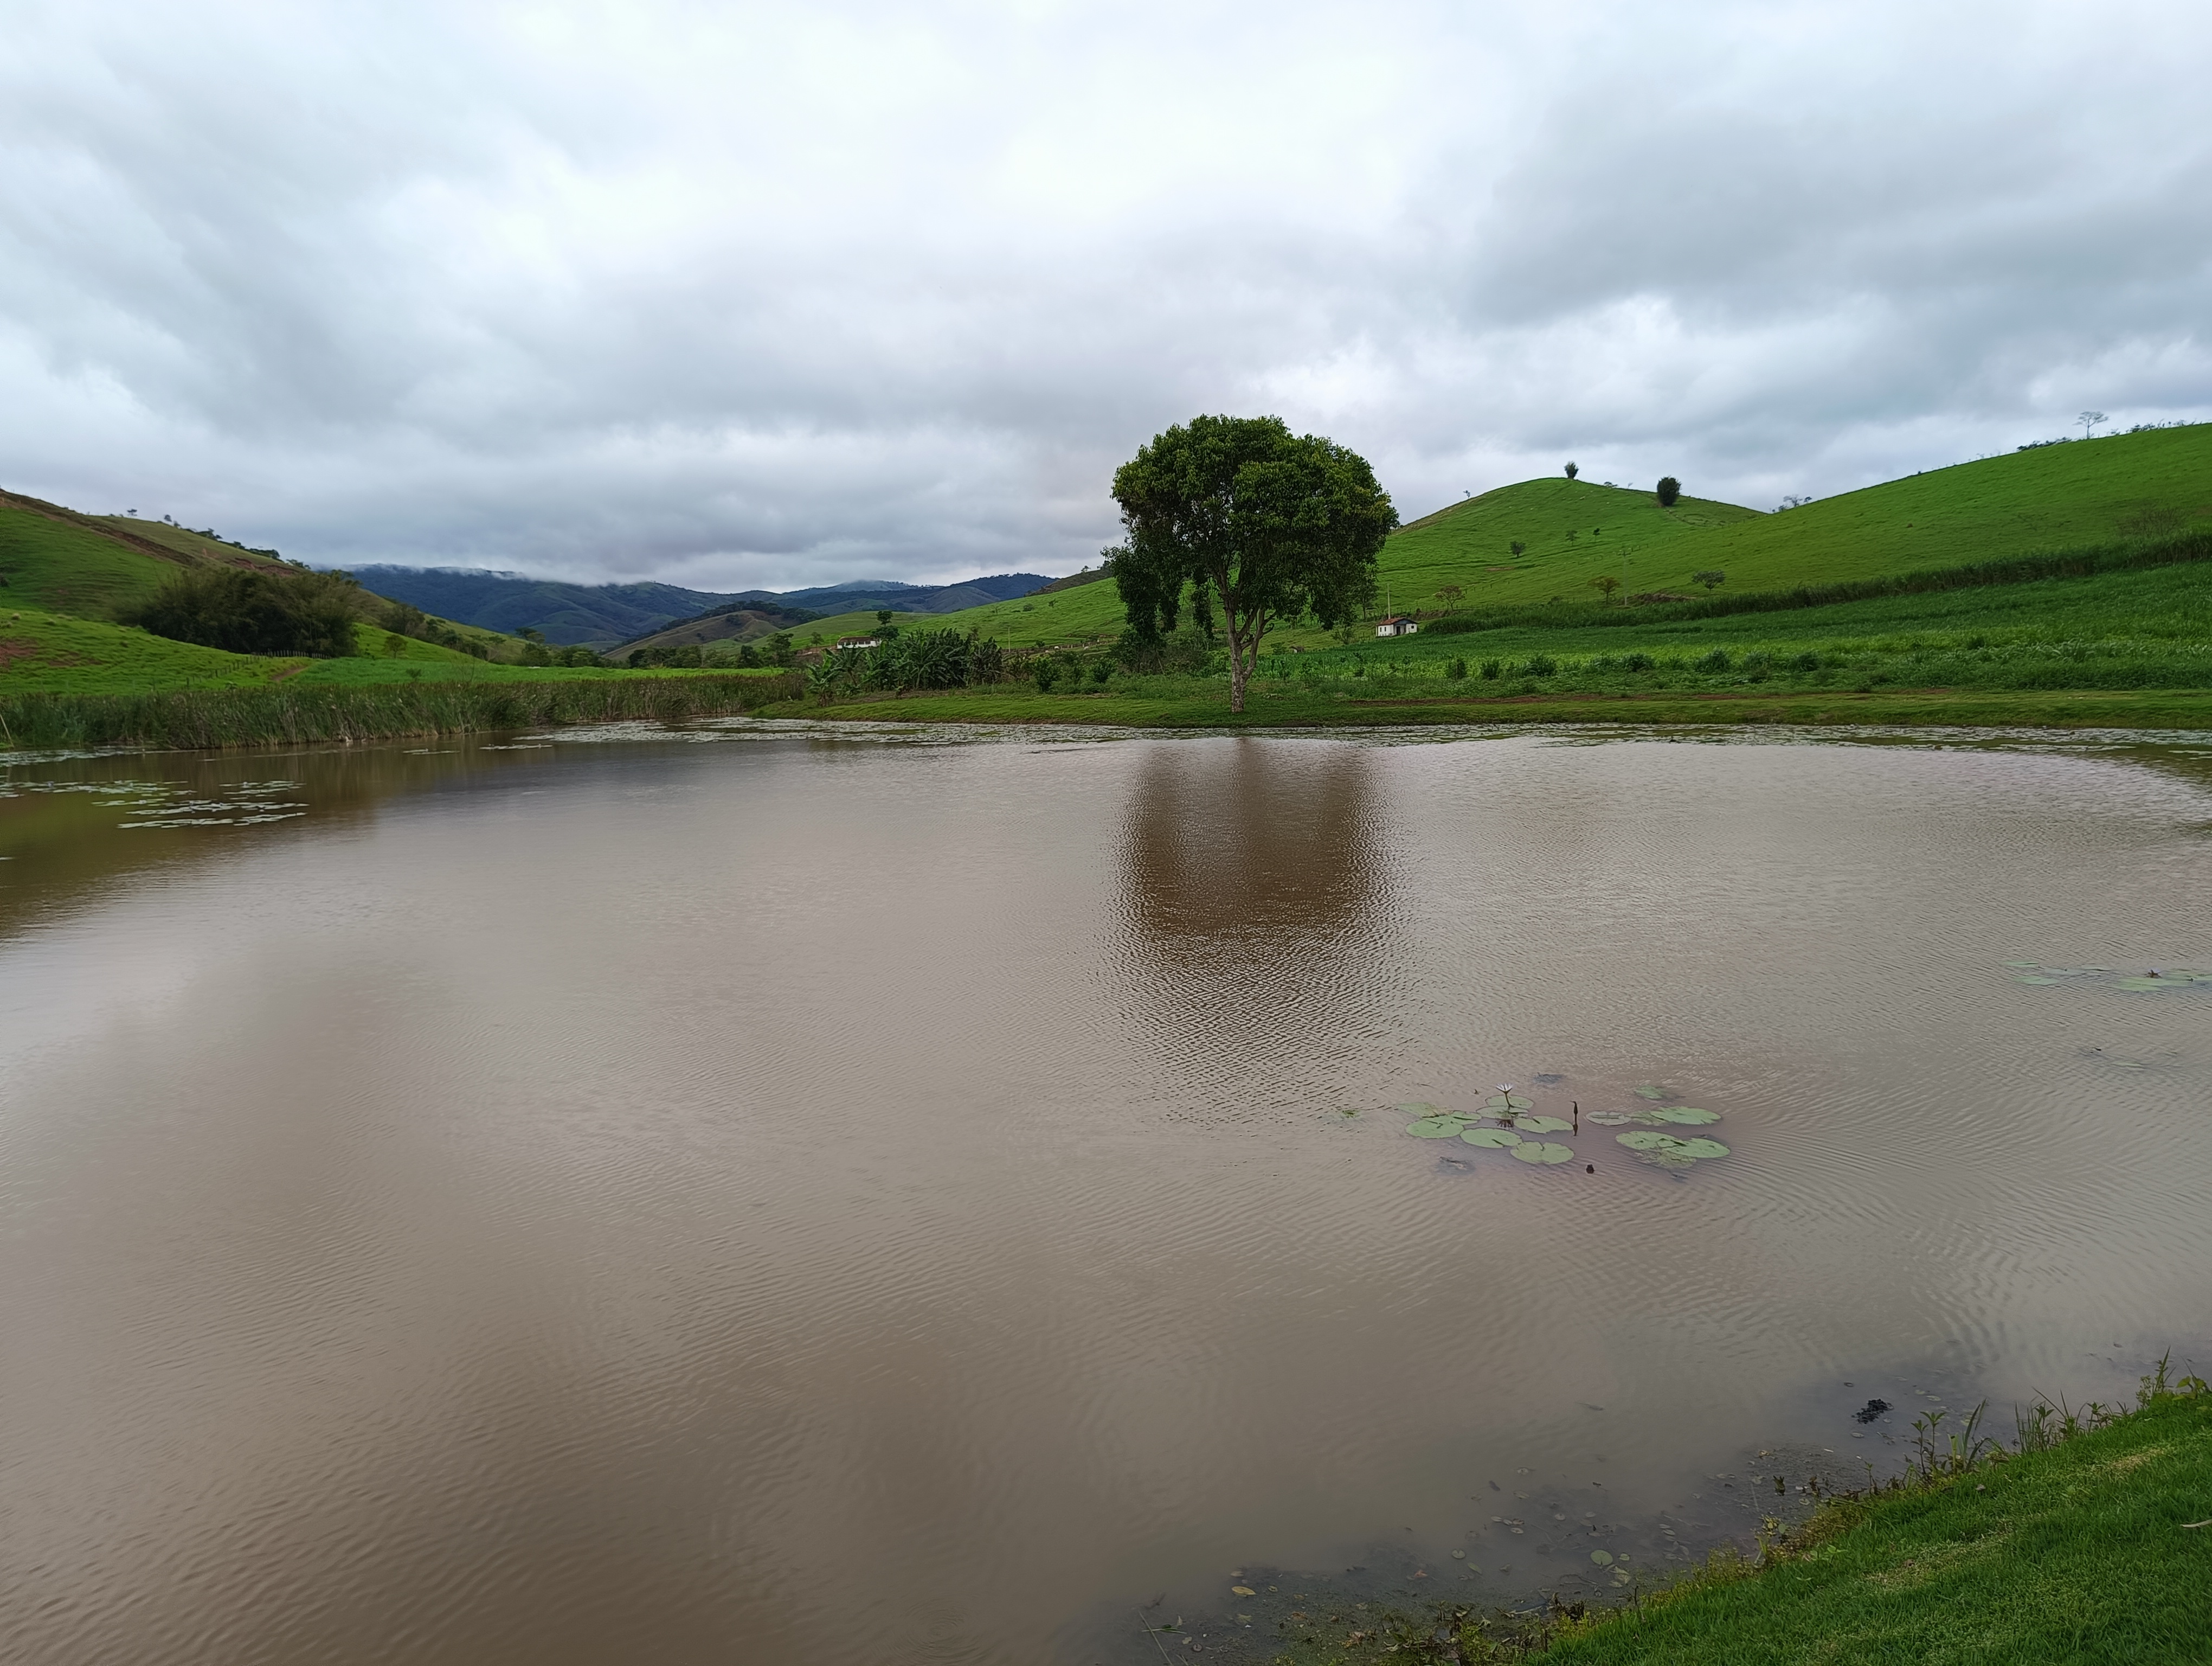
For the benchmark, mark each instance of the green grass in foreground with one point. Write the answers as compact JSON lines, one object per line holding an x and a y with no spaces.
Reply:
{"x":2079,"y":1553}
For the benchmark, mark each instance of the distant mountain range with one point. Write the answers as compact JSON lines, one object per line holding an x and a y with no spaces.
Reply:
{"x":605,"y":615}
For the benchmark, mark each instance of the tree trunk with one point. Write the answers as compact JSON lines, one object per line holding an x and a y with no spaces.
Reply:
{"x":1235,"y":662}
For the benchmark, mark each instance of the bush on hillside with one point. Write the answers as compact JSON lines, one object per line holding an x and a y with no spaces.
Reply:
{"x":1669,"y":490}
{"x":254,"y":611}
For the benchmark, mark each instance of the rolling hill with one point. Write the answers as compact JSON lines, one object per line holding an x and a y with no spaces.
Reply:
{"x":57,"y":560}
{"x":2054,"y":497}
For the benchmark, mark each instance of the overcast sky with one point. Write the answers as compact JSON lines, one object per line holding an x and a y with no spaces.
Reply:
{"x":788,"y":294}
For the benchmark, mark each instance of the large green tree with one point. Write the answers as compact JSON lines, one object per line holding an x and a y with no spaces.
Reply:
{"x":1269,"y":525}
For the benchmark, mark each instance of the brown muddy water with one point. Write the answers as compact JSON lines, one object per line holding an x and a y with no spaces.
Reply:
{"x":754,"y":1196}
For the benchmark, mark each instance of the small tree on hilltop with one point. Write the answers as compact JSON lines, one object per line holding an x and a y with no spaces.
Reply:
{"x":1604,"y":586}
{"x":1709,"y":580}
{"x":1517,"y":547}
{"x":1450,"y":595}
{"x":1573,"y":469}
{"x":1669,"y":490}
{"x":2089,"y":419}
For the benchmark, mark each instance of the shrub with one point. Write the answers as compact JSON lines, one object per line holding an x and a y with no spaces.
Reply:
{"x":1638,"y":662}
{"x":1807,"y":662}
{"x":247,"y":610}
{"x":1046,"y":673}
{"x":1492,"y":670}
{"x":1669,"y":490}
{"x":1573,"y":470}
{"x":1541,"y":665}
{"x":1715,"y":660}
{"x":1456,"y":670}
{"x":1101,"y":671}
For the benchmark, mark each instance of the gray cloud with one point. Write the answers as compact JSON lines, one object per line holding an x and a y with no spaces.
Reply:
{"x":783,"y":295}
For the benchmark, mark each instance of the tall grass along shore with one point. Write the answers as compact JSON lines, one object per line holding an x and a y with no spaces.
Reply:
{"x":289,"y":714}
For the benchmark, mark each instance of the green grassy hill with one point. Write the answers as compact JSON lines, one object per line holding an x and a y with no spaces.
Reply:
{"x":44,"y":652}
{"x":62,"y":563}
{"x":2054,"y":497}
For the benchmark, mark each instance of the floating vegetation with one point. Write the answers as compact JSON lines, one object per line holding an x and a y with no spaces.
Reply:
{"x":2155,"y":979}
{"x":1436,"y":1128}
{"x":1653,"y":1091}
{"x":1500,"y":1128}
{"x":1665,"y":1151}
{"x":169,"y":803}
{"x":1656,"y":1116}
{"x":1602,"y":1558}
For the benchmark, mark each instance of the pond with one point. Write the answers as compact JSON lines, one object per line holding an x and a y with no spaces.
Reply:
{"x":756,"y":1194}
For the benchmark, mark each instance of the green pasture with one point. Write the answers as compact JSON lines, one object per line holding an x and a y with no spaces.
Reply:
{"x":2084,"y":492}
{"x":48,"y":653}
{"x":2127,"y":647}
{"x":67,"y":567}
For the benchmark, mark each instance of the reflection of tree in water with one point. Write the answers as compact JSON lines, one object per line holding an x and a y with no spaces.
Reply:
{"x":1257,"y":946}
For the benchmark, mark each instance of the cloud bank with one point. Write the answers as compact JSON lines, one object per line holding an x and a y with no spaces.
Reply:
{"x":791,"y":294}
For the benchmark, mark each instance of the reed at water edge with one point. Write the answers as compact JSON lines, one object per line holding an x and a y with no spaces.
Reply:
{"x":287,"y":716}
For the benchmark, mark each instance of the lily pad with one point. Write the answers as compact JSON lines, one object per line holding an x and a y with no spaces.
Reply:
{"x":1689,"y":1115}
{"x":1537,"y":1150}
{"x":1493,"y":1139}
{"x":1653,"y":1091}
{"x":1669,"y":1152}
{"x":1611,"y":1118}
{"x":1503,"y":1101}
{"x":1542,"y":1124}
{"x":1602,"y":1558}
{"x":1435,"y":1127}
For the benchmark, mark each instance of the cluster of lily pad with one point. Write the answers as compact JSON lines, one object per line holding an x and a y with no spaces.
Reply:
{"x":2157,"y":977}
{"x":1506,"y":1120}
{"x":1665,"y":1151}
{"x":1503,"y":1124}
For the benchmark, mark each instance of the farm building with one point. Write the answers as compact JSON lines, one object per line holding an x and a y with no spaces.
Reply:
{"x":1397,"y":625}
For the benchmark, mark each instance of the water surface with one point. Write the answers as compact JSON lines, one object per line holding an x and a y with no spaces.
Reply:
{"x":698,"y":1198}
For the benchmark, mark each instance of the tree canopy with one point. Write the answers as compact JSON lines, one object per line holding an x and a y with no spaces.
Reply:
{"x":1269,"y":525}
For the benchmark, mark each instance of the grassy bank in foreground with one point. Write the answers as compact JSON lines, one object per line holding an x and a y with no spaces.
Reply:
{"x":291,"y":713}
{"x":2078,"y":1553}
{"x":2081,"y":1551}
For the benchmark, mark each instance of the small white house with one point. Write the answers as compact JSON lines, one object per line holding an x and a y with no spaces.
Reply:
{"x":1397,"y":625}
{"x":859,"y":641}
